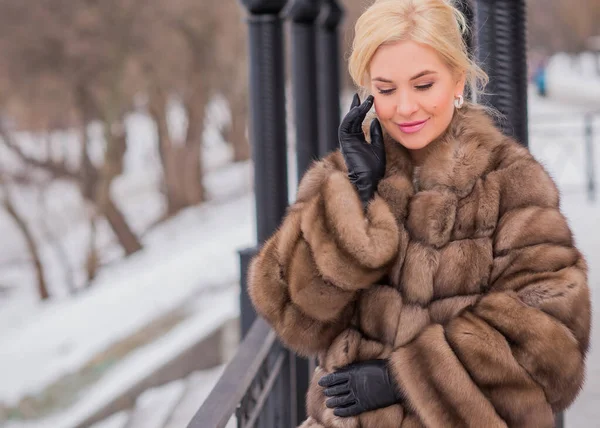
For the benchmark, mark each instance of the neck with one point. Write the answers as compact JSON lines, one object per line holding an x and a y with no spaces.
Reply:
{"x":418,"y":155}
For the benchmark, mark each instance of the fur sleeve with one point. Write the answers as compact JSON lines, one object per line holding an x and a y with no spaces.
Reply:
{"x":516,"y":356}
{"x":305,"y":278}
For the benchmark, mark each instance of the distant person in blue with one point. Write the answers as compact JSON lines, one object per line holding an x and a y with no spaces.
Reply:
{"x":539,"y":77}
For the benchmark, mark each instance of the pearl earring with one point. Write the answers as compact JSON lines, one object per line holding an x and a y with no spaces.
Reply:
{"x":459,"y":101}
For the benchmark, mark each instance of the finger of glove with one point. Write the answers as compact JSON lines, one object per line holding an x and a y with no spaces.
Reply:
{"x":342,"y":389}
{"x":343,"y":401}
{"x":361,"y":112}
{"x":377,"y":140}
{"x":352,"y":122}
{"x":346,"y":124}
{"x":355,"y":101}
{"x":351,"y":410}
{"x":333,"y":379}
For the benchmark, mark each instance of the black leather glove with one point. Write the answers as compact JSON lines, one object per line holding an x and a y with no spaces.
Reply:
{"x":360,"y":387}
{"x":365,"y":162}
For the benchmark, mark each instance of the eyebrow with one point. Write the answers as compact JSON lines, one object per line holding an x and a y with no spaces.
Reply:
{"x":416,"y":76}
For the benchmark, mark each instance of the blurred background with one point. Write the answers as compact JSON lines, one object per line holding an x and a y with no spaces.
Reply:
{"x":126,"y":192}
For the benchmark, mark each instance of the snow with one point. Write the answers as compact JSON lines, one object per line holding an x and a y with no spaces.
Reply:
{"x":199,"y":384}
{"x":189,"y":261}
{"x":126,"y":298}
{"x":118,"y":420}
{"x":209,"y":313}
{"x":574,"y":81}
{"x":153,"y":408}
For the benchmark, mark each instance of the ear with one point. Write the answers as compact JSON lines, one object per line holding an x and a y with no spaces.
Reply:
{"x":459,"y":89}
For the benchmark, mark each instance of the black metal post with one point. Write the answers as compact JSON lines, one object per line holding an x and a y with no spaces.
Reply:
{"x":268,"y":129}
{"x":247,"y":312}
{"x":590,"y":161}
{"x":268,"y":141}
{"x":467,"y":8}
{"x":303,"y":14}
{"x":328,"y":75}
{"x":501,"y":50}
{"x":268,"y":120}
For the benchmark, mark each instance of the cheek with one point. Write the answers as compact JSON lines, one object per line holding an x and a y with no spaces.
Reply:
{"x":385,"y":109}
{"x":440,"y":103}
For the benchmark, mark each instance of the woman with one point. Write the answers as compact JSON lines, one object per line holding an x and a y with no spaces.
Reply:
{"x":430,"y":270}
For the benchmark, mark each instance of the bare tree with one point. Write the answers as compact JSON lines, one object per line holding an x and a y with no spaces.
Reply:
{"x":181,"y":63}
{"x":232,"y":80}
{"x":9,"y":207}
{"x":557,"y":25}
{"x":82,"y":51}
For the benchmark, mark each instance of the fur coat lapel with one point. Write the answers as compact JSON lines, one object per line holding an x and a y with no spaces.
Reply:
{"x":455,"y":160}
{"x":453,"y":163}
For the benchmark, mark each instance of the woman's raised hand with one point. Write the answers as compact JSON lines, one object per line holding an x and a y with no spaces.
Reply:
{"x":365,"y":162}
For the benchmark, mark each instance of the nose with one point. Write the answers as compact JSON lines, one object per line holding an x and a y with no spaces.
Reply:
{"x":406,"y":104}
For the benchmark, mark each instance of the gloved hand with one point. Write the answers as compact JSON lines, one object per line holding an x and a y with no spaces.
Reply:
{"x":360,"y":387}
{"x":365,"y":162}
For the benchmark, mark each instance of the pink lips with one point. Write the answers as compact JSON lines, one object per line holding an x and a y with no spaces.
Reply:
{"x":412,"y":127}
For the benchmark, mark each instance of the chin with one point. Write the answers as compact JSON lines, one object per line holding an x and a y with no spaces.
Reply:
{"x":413,"y":143}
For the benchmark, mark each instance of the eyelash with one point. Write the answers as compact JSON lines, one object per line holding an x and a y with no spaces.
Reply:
{"x":418,"y":88}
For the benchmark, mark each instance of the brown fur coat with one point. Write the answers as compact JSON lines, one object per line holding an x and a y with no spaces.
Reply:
{"x":463,"y":274}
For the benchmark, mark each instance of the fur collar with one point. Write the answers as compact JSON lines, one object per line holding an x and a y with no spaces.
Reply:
{"x":456,"y":159}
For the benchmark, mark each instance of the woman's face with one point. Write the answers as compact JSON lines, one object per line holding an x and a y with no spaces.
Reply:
{"x":414,"y":92}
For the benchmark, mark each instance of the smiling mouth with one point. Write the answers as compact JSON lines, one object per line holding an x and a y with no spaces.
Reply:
{"x":412,"y":127}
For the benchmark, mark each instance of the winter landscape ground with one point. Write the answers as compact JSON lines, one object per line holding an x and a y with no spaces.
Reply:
{"x":190,"y":268}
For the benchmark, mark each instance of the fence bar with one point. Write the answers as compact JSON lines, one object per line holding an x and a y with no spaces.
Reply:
{"x":559,"y":420}
{"x":262,"y":398}
{"x":267,"y":130}
{"x":328,"y":75}
{"x":590,"y":159}
{"x":303,"y":14}
{"x":467,"y":8}
{"x":247,"y":312}
{"x":501,"y":51}
{"x":267,"y":107}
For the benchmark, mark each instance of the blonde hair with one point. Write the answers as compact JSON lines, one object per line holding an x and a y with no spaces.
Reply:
{"x":435,"y":23}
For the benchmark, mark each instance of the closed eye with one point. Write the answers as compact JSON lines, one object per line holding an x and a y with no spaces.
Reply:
{"x":386,"y":91}
{"x":423,"y":87}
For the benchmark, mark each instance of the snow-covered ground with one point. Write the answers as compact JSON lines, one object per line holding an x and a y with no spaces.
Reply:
{"x":574,"y":79}
{"x":189,"y":264}
{"x":197,"y":251}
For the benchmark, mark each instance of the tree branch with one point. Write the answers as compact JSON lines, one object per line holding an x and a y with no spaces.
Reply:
{"x":58,"y":170}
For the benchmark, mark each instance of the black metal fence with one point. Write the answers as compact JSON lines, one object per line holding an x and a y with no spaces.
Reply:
{"x":265,"y":385}
{"x":256,"y":387}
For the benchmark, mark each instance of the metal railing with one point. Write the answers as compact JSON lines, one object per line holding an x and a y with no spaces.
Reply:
{"x":255,"y":386}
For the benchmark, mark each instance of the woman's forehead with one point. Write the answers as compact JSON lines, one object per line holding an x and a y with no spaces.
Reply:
{"x":404,"y":60}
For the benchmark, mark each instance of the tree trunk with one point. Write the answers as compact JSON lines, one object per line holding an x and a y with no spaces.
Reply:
{"x":59,"y":250}
{"x":237,"y":135}
{"x":112,"y":167}
{"x":169,"y":155}
{"x":31,"y":246}
{"x":192,"y":163}
{"x":192,"y":175}
{"x":117,"y":222}
{"x":93,"y":260}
